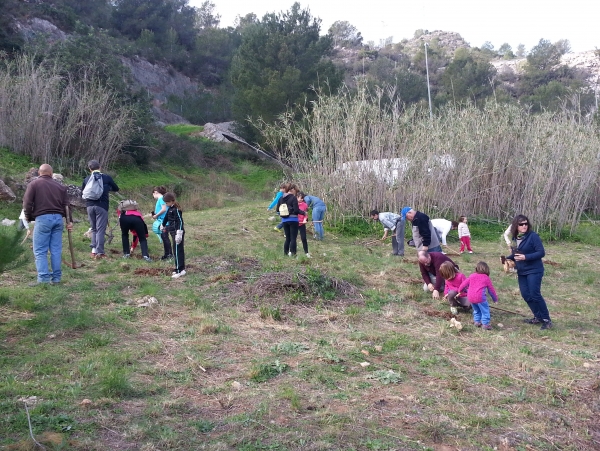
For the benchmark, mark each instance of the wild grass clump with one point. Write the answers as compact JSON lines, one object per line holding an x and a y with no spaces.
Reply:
{"x":368,"y":150}
{"x":54,"y":119}
{"x":265,"y":371}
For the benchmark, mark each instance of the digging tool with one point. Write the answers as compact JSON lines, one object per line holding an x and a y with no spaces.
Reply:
{"x":508,"y":311}
{"x":73,"y":264}
{"x":452,"y":251}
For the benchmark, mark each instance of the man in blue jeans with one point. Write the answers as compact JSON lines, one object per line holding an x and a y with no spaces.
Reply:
{"x":318,"y":214}
{"x":45,"y":202}
{"x":98,"y":209}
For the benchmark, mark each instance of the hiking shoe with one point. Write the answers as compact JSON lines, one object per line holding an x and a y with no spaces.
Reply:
{"x":454,"y":310}
{"x":148,"y":259}
{"x":166,"y":257}
{"x":126,"y":255}
{"x":177,"y":275}
{"x":547,"y":325}
{"x":476,"y":324}
{"x":532,"y":321}
{"x":37,"y":284}
{"x":486,"y":326}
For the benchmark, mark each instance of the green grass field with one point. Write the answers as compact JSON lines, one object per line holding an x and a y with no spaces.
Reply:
{"x":254,"y":350}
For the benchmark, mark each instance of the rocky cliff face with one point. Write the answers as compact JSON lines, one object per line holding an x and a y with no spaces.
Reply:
{"x":586,"y":63}
{"x":159,"y":81}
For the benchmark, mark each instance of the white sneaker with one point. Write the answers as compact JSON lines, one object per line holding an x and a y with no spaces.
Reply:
{"x":289,"y":254}
{"x":454,"y":310}
{"x":177,"y":275}
{"x":470,"y":252}
{"x":308,"y":255}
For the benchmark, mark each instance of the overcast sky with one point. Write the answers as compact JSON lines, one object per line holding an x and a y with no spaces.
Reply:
{"x":477,"y":21}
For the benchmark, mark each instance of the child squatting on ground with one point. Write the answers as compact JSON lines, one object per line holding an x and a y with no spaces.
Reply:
{"x":173,"y":224}
{"x":452,"y":294}
{"x":464,"y":235}
{"x":479,"y":284}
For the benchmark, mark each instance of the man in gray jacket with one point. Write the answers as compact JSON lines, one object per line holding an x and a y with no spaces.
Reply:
{"x":393,"y":222}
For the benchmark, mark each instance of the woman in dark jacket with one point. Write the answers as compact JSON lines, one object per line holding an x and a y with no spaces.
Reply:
{"x":527,"y":253}
{"x":287,"y":206}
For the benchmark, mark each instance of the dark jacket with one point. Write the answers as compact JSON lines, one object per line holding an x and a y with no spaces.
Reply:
{"x":292,"y":203}
{"x":109,"y":185}
{"x":173,"y":219}
{"x":44,"y":196}
{"x":531,"y":246}
{"x":423,"y":232}
{"x":437,"y":258}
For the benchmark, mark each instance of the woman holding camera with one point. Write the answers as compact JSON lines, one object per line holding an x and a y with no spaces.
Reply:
{"x":527,"y":253}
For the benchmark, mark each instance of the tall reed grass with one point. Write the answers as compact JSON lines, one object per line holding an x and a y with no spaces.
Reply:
{"x":55,"y":120}
{"x":494,"y":161}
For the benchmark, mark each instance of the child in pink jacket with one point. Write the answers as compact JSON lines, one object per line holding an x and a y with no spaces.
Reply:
{"x":302,"y":221}
{"x":479,"y":284}
{"x":454,"y":279}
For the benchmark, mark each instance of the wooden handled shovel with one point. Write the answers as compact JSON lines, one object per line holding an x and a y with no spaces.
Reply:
{"x":73,"y":264}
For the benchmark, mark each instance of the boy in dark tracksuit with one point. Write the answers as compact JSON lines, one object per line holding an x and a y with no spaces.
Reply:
{"x":173,"y":224}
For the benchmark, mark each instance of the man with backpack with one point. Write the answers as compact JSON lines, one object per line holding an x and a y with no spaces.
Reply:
{"x":95,"y":189}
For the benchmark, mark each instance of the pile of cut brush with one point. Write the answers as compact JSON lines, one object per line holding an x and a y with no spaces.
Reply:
{"x":310,"y":282}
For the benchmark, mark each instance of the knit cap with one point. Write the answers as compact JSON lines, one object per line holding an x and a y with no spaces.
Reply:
{"x":404,"y":211}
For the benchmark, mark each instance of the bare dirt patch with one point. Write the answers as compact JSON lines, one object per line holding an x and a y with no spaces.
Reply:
{"x":153,"y":272}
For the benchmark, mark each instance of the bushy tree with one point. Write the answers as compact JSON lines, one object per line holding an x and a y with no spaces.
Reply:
{"x":206,"y":16}
{"x":279,"y":61}
{"x":467,"y":77}
{"x":131,"y":17}
{"x":545,"y":81}
{"x":344,"y":34}
{"x":505,"y":51}
{"x":212,"y":56}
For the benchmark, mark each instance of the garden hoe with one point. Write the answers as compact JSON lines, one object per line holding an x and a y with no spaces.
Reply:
{"x":73,"y":264}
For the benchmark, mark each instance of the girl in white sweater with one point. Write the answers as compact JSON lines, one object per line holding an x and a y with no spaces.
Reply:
{"x":464,"y":235}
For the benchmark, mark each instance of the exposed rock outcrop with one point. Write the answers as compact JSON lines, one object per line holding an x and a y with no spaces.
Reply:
{"x":6,"y":194}
{"x":449,"y":41}
{"x":32,"y":28}
{"x":159,"y":81}
{"x":165,"y":117}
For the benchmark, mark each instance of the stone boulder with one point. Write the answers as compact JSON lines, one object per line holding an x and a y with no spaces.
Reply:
{"x":6,"y":194}
{"x":74,"y":194}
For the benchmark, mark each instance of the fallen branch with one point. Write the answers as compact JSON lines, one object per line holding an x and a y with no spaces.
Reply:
{"x":508,"y":311}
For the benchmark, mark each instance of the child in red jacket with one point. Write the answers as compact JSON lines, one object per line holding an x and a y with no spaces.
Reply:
{"x":480,"y":284}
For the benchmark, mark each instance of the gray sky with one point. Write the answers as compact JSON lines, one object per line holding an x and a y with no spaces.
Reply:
{"x":512,"y":21}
